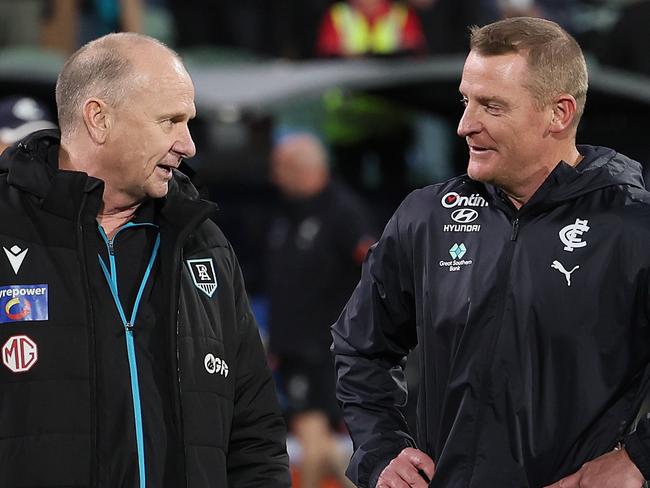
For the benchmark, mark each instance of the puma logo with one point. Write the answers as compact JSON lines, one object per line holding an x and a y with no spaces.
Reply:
{"x":567,"y":274}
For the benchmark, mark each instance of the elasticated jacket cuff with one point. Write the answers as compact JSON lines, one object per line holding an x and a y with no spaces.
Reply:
{"x":639,"y":454}
{"x":374,"y":475}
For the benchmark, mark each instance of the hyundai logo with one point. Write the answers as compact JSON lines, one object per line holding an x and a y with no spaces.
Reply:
{"x":464,"y":215}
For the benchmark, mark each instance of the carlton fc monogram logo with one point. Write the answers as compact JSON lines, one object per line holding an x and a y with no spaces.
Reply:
{"x":203,"y":275}
{"x":571,"y":235}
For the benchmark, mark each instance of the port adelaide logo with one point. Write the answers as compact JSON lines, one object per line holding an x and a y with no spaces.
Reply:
{"x":463,"y":214}
{"x":203,"y":275}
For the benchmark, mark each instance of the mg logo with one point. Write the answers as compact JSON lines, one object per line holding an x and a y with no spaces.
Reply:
{"x":19,"y":354}
{"x":215,"y":365}
{"x":464,"y":215}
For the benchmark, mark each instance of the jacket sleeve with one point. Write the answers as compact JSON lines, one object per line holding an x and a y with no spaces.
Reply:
{"x":370,"y":341}
{"x":637,"y":442}
{"x":257,"y":456}
{"x":637,"y":445}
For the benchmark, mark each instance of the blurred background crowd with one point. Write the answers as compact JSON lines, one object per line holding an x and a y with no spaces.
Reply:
{"x":315,"y":119}
{"x":298,"y":29}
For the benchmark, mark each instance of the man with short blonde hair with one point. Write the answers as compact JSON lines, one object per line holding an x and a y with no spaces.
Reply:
{"x":525,"y":285}
{"x":555,"y":61}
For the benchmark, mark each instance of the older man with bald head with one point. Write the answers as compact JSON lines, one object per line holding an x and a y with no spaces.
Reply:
{"x":130,"y":354}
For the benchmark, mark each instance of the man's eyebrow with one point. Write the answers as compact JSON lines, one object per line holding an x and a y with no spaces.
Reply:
{"x":488,"y":100}
{"x":177,"y":115}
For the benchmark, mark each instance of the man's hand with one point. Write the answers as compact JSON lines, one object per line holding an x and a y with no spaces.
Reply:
{"x":612,"y":470}
{"x":403,"y":471}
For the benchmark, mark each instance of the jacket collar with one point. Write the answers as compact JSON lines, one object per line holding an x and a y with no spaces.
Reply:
{"x":182,"y":207}
{"x":600,"y":168}
{"x":32,"y":165}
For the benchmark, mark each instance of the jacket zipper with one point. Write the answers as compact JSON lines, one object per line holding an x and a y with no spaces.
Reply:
{"x":514,"y":232}
{"x":111,"y":277}
{"x":176,"y":272}
{"x":515,"y":229}
{"x":94,"y":461}
{"x":175,"y":312}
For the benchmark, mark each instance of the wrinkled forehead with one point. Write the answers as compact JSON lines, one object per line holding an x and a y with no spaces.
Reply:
{"x":500,"y":70}
{"x":166,"y":80}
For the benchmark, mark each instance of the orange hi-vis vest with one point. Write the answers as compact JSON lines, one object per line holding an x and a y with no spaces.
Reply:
{"x":359,"y":37}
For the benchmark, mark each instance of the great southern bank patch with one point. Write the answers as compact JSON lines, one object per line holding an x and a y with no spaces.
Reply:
{"x":19,"y":303}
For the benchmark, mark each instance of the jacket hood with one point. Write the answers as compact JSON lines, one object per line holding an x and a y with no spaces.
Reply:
{"x":600,"y":168}
{"x":32,"y":165}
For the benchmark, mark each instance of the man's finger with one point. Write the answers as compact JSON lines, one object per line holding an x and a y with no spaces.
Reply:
{"x":399,"y":476}
{"x":571,"y":481}
{"x":407,"y":470}
{"x":421,"y":461}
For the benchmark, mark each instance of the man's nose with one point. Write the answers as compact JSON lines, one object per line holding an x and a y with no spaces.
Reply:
{"x":469,"y":123}
{"x":185,"y":144}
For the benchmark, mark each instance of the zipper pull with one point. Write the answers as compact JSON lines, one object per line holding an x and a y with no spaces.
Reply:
{"x":111,"y":251}
{"x":129,"y":327}
{"x":515,"y":229}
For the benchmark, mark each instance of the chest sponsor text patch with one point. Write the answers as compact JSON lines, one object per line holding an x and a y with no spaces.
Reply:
{"x":19,"y":303}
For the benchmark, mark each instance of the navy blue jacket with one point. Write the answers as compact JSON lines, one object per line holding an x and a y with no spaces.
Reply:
{"x":532,"y":325}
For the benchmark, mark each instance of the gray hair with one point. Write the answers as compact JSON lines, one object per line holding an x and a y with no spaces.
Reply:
{"x":101,"y":68}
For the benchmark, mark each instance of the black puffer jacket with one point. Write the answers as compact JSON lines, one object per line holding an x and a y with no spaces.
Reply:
{"x":533,"y":327}
{"x":233,"y":434}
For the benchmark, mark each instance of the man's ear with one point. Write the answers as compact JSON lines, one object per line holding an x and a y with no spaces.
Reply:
{"x":97,"y":119}
{"x":564,"y":112}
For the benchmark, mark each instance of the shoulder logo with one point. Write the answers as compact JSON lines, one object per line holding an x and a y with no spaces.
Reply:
{"x":19,"y":353}
{"x":203,"y":275}
{"x":16,"y":256}
{"x":571,"y":235}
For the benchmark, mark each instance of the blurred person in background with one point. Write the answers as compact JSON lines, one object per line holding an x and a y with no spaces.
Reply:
{"x":366,"y":27}
{"x":20,"y":116}
{"x":525,"y":284}
{"x":370,"y":136}
{"x":316,"y":245}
